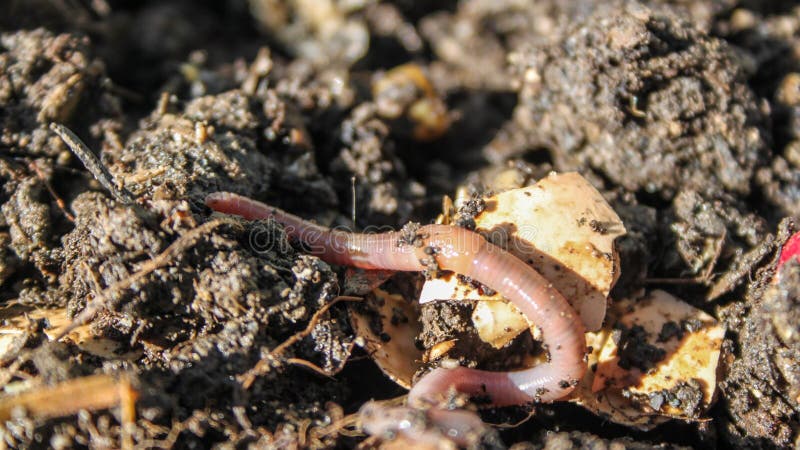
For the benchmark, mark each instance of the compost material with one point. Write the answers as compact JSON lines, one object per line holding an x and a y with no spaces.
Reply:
{"x":207,"y":331}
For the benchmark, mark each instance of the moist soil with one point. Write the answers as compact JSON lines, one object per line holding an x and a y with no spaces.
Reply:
{"x":685,"y":115}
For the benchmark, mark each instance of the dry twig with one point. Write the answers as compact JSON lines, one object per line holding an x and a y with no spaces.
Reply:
{"x":263,"y":366}
{"x":92,"y":163}
{"x":103,"y":299}
{"x":59,"y":201}
{"x":91,"y":393}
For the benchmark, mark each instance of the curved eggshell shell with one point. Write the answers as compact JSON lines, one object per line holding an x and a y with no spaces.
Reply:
{"x":642,"y":400}
{"x":388,"y":325}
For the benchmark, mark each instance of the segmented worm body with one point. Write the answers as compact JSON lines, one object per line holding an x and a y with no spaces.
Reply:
{"x":446,"y":247}
{"x":433,"y":428}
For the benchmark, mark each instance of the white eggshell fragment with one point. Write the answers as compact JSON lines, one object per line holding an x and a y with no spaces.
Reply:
{"x":680,"y":384}
{"x":563,"y":228}
{"x":388,"y":324}
{"x":498,"y":322}
{"x":609,"y":403}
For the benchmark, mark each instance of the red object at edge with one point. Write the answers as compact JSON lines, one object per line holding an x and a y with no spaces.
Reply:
{"x":791,"y":249}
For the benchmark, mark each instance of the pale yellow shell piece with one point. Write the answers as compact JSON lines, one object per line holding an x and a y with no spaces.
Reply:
{"x":563,"y":228}
{"x":16,"y":318}
{"x":625,"y":395}
{"x":609,"y":403}
{"x":497,"y":321}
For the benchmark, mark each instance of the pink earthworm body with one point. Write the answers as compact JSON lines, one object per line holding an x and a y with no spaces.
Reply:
{"x":459,"y":250}
{"x":433,"y":428}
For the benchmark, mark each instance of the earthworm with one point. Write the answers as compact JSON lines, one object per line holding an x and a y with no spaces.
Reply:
{"x":459,"y":250}
{"x":433,"y":428}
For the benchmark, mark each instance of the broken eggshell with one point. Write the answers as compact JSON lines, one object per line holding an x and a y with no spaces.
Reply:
{"x":656,"y":361}
{"x":561,"y":225}
{"x":564,"y":229}
{"x":387,"y":326}
{"x":682,"y":342}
